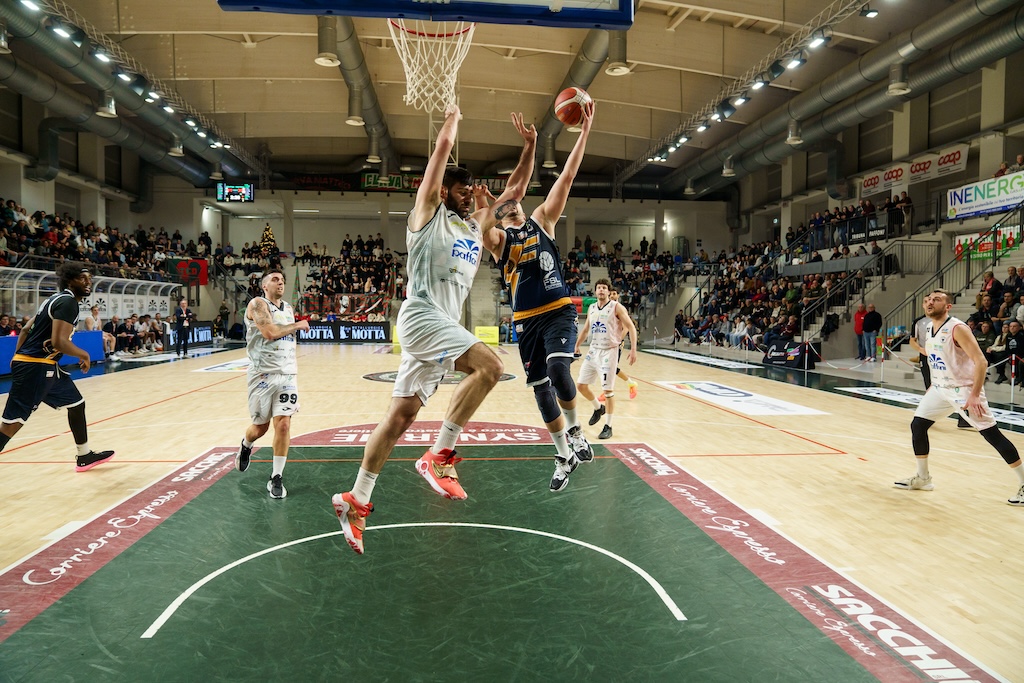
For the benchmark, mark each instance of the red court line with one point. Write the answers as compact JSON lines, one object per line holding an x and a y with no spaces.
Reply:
{"x":750,"y":419}
{"x":127,"y":412}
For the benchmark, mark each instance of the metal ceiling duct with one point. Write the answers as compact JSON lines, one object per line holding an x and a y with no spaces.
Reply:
{"x":61,"y":100}
{"x":357,"y":75}
{"x":907,"y":47}
{"x":991,"y":42}
{"x":28,"y":26}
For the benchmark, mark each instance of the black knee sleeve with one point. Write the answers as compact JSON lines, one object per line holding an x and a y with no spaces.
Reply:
{"x":919,"y":435}
{"x":561,"y":377}
{"x":545,"y":396}
{"x":76,"y":420}
{"x":1007,"y":451}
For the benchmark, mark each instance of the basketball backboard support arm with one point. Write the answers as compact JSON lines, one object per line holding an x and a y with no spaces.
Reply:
{"x":602,"y":14}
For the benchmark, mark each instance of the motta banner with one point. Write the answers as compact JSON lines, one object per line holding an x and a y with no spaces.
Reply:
{"x":946,"y":162}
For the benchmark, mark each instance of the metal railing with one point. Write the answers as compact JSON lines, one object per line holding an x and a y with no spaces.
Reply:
{"x":960,"y":273}
{"x":33,"y":262}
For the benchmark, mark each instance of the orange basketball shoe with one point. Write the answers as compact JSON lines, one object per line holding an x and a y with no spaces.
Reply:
{"x":439,"y":471}
{"x":352,"y":516}
{"x":632,"y":389}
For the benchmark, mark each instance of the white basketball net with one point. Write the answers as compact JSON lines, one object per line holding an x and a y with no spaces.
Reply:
{"x":432,"y":53}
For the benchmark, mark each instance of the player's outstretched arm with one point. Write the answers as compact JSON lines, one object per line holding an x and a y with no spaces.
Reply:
{"x":547,"y":213}
{"x":627,"y":322}
{"x":428,"y":195}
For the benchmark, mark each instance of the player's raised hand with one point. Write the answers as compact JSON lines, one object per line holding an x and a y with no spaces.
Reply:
{"x":528,"y":134}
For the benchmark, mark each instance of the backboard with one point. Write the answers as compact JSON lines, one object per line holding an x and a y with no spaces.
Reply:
{"x":604,"y":14}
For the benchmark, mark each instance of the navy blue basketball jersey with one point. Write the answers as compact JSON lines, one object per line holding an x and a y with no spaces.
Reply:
{"x":532,"y":270}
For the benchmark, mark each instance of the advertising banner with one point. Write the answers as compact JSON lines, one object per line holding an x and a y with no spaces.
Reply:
{"x":988,"y":196}
{"x":343,"y":332}
{"x":1005,"y":239}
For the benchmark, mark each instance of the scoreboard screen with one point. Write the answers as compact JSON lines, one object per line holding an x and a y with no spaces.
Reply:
{"x":244,"y":192}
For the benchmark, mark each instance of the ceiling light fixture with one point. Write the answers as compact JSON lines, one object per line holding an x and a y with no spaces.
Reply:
{"x":759,"y":82}
{"x":740,"y":99}
{"x":57,"y":26}
{"x":702,"y":127}
{"x":5,"y":47}
{"x":866,"y":11}
{"x":796,"y":61}
{"x":682,"y":140}
{"x":689,"y":191}
{"x":820,"y":37}
{"x":776,"y":69}
{"x":31,"y":5}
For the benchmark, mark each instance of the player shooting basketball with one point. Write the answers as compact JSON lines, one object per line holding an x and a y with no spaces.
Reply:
{"x":543,"y":314}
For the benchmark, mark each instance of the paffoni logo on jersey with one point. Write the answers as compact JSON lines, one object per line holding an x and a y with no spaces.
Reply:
{"x":467,"y":250}
{"x":598,"y":328}
{"x":936,"y":362}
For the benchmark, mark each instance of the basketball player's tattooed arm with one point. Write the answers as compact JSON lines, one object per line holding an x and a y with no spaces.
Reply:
{"x":259,"y":313}
{"x":515,"y":189}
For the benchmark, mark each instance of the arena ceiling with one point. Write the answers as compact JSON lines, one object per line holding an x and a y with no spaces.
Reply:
{"x":253,"y":74}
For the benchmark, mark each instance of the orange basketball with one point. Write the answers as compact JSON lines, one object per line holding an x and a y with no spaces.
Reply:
{"x":569,"y":105}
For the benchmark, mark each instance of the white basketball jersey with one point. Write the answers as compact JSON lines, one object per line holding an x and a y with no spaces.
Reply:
{"x":443,"y":259}
{"x":604,"y":324}
{"x":950,"y":365}
{"x":276,"y":356}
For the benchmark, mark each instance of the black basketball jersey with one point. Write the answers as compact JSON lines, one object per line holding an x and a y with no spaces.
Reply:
{"x":38,"y":345}
{"x":532,"y":268}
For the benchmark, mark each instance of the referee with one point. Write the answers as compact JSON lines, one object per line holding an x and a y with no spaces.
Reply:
{"x":36,"y":376}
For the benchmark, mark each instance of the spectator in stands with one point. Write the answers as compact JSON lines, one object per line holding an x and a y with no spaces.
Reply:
{"x":92,"y":324}
{"x":6,"y":328}
{"x":1003,"y":169}
{"x":858,"y":330}
{"x":985,"y":335}
{"x":986,"y":311}
{"x":872,"y":326}
{"x":1004,"y":313}
{"x":1013,"y":282}
{"x":1018,"y":164}
{"x":1009,"y":347}
{"x":991,"y":286}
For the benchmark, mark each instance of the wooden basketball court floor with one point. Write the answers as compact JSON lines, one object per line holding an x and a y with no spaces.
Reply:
{"x":735,"y":528}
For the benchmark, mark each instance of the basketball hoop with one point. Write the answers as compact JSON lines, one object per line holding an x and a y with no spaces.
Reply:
{"x":431,"y":53}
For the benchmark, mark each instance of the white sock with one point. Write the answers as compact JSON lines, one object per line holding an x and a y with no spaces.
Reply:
{"x":570,"y":417}
{"x":246,"y":442}
{"x":597,"y":404}
{"x":608,"y":419}
{"x":561,"y":444}
{"x":83,"y":448}
{"x":446,"y":437}
{"x":922,"y":468}
{"x":363,"y":488}
{"x":279,"y":463}
{"x":1019,"y":471}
